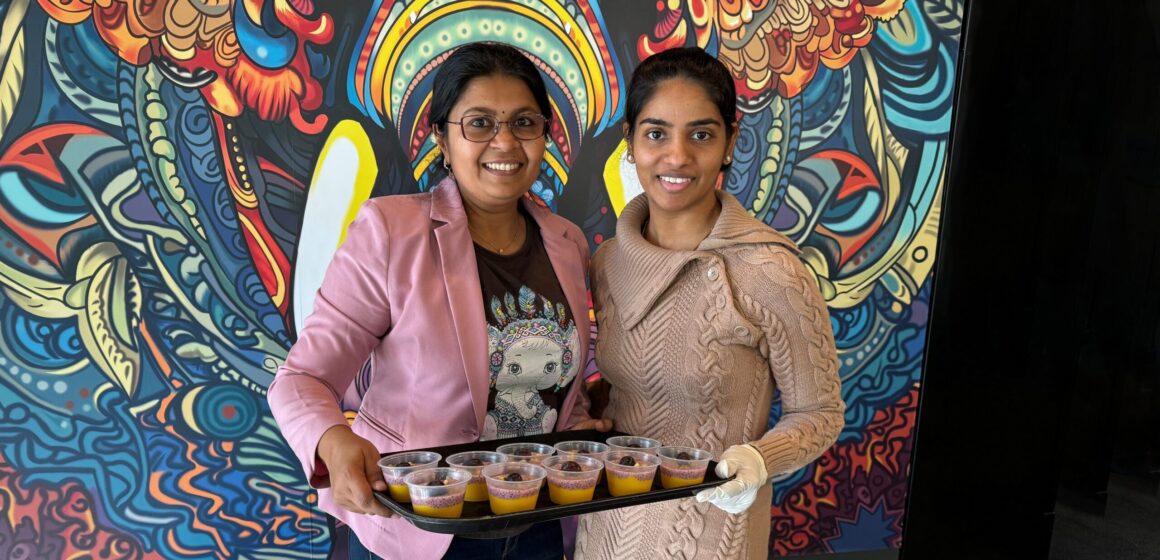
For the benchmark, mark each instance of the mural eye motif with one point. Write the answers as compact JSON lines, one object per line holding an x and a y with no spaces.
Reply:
{"x":515,"y":369}
{"x":550,"y":367}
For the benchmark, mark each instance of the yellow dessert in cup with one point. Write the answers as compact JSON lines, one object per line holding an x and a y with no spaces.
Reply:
{"x":438,"y":492}
{"x":572,"y":479}
{"x":396,"y":467}
{"x":682,"y":466}
{"x":630,"y":472}
{"x":593,"y":449}
{"x":473,"y":462}
{"x":513,"y":486}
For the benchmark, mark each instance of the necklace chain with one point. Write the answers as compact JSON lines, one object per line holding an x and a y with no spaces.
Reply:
{"x":487,"y":244}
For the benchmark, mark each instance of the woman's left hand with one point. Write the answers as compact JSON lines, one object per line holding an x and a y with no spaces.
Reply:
{"x":598,"y":424}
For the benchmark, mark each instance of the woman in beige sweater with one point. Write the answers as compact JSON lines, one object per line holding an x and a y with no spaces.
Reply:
{"x":703,"y":312}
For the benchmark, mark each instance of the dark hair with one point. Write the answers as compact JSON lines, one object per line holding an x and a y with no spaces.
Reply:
{"x":475,"y":60}
{"x":692,"y":64}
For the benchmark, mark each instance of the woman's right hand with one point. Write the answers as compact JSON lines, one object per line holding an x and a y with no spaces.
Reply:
{"x":353,"y":463}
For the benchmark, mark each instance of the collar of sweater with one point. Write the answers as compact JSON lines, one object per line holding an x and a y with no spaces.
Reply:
{"x":639,"y":272}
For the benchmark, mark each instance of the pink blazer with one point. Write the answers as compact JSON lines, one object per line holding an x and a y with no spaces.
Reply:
{"x":404,"y":290}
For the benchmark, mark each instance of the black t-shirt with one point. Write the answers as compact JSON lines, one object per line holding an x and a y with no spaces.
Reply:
{"x":532,"y":340}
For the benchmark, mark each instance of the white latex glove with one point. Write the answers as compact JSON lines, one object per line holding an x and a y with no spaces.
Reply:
{"x":735,"y":496}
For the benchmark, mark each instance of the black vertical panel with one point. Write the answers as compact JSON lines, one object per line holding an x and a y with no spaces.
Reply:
{"x":1013,"y":287}
{"x":1129,"y":297}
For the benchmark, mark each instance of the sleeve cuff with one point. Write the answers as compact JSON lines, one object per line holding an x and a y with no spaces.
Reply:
{"x":780,"y":454}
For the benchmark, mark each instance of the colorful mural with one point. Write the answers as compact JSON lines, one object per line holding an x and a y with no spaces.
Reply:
{"x":175,"y":174}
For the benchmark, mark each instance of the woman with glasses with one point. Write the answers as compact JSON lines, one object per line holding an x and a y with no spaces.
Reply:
{"x":471,"y":303}
{"x":704,"y":312}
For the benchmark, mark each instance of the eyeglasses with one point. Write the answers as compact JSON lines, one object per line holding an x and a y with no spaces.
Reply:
{"x":482,"y":128}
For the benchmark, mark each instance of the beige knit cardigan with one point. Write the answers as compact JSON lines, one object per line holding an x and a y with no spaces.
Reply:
{"x":694,"y":344}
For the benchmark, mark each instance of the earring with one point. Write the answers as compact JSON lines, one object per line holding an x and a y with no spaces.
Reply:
{"x":630,"y":158}
{"x":728,"y":159}
{"x":446,"y":164}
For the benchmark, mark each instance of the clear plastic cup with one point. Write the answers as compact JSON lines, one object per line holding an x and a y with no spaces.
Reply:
{"x":572,"y":478}
{"x":634,"y":443}
{"x":399,"y":465}
{"x":511,"y":496}
{"x":438,"y":492}
{"x":526,"y":452}
{"x":473,"y":462}
{"x":628,"y":479}
{"x":592,"y":449}
{"x":682,"y":466}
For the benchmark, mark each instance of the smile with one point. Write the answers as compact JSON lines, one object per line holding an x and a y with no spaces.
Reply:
{"x":503,"y":167}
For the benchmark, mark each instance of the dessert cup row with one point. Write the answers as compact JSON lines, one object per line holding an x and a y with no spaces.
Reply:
{"x":511,"y":477}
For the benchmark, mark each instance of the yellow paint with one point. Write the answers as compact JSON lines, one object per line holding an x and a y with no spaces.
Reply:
{"x":402,"y":28}
{"x":368,"y":168}
{"x":613,"y":183}
{"x":564,"y":128}
{"x":415,"y":125}
{"x":187,"y":409}
{"x":279,"y":294}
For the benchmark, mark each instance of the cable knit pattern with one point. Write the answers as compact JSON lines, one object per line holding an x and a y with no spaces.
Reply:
{"x":694,"y":344}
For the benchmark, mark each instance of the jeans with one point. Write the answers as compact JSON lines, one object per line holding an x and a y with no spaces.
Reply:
{"x":542,"y":541}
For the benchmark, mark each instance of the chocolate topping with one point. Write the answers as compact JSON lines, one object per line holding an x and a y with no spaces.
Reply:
{"x":571,"y":466}
{"x":436,"y":483}
{"x":404,"y":464}
{"x":513,"y":477}
{"x":627,"y":461}
{"x":522,"y":453}
{"x":684,"y":456}
{"x":473,"y":463}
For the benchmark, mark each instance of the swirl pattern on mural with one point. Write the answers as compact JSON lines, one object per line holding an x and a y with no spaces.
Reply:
{"x":160,"y":227}
{"x":243,"y":55}
{"x":566,"y":40}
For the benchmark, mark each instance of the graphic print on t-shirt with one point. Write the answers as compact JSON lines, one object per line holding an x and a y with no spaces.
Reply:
{"x":532,"y":344}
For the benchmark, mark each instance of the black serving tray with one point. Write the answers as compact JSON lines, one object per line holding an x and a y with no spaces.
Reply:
{"x":479,"y":522}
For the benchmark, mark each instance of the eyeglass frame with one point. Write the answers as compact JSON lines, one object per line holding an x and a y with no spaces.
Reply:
{"x":498,"y":124}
